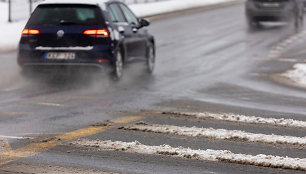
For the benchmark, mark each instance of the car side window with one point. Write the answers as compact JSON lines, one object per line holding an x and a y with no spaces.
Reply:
{"x":115,"y":13}
{"x":130,"y":17}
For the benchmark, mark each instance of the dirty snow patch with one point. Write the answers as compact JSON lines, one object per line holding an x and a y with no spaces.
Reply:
{"x":244,"y":119}
{"x":206,"y":155}
{"x":222,"y":134}
{"x":2,"y":137}
{"x":297,"y":75}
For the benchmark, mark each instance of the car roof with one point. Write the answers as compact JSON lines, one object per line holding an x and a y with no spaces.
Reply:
{"x":86,"y":2}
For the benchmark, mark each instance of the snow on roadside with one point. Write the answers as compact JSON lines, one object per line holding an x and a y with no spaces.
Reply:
{"x":171,"y":6}
{"x":222,"y":134}
{"x":11,"y":32}
{"x":205,"y":155}
{"x":243,"y":119}
{"x":297,"y":75}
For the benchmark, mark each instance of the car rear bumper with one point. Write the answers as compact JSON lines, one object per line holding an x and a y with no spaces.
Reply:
{"x":65,"y":68}
{"x":284,"y":13}
{"x":263,"y":15}
{"x":96,"y":58}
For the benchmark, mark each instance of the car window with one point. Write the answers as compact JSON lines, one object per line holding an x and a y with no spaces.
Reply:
{"x":129,"y":15}
{"x":115,"y":13}
{"x":62,"y":14}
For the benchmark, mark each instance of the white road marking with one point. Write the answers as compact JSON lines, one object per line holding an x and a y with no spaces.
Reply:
{"x":50,"y":104}
{"x":287,"y":60}
{"x":244,"y":119}
{"x":13,"y":113}
{"x":10,"y":89}
{"x":205,"y":155}
{"x":222,"y":134}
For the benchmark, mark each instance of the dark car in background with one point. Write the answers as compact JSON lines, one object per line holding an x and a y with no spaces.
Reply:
{"x":274,"y":10}
{"x":92,"y":33}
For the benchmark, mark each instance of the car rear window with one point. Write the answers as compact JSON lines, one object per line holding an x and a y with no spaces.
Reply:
{"x":66,"y":15}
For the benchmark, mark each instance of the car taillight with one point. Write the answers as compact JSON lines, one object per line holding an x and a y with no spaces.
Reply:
{"x":30,"y":32}
{"x":102,"y":60}
{"x":98,"y":33}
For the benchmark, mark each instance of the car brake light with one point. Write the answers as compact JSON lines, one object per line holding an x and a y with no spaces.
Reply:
{"x":102,"y":60}
{"x":30,"y":31}
{"x":100,"y":32}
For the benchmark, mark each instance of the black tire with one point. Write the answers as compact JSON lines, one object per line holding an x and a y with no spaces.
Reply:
{"x":150,"y":58}
{"x":118,"y":65}
{"x":298,"y":20}
{"x":253,"y":24}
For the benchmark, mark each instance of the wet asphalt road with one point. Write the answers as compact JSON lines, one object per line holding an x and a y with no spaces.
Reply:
{"x":206,"y":62}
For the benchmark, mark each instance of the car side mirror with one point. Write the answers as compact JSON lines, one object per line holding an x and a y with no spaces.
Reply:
{"x":144,"y":22}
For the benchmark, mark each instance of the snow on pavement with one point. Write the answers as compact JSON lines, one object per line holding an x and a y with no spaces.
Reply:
{"x":243,"y":118}
{"x":297,"y":75}
{"x":11,"y":32}
{"x":222,"y":134}
{"x":205,"y":155}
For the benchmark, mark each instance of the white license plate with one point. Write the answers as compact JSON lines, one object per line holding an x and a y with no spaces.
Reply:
{"x":61,"y":56}
{"x":270,"y":4}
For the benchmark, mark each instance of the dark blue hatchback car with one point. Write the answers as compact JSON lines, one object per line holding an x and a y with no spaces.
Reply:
{"x":66,"y":34}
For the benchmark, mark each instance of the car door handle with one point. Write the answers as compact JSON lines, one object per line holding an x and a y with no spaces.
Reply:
{"x":121,"y":29}
{"x":135,"y":30}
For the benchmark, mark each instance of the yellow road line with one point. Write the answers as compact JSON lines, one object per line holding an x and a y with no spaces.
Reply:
{"x":13,"y":113}
{"x":4,"y":143}
{"x":10,"y":89}
{"x":36,"y":148}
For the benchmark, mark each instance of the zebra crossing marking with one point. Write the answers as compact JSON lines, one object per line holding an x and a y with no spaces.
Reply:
{"x":222,"y":134}
{"x":205,"y":155}
{"x":244,"y":119}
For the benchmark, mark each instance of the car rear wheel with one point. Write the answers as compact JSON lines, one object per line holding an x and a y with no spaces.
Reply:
{"x":253,"y":24}
{"x":118,"y":66}
{"x":151,"y":59}
{"x":298,"y":20}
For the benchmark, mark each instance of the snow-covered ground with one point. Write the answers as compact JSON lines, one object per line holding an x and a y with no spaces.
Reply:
{"x":297,"y":75}
{"x":11,"y":32}
{"x":170,"y":6}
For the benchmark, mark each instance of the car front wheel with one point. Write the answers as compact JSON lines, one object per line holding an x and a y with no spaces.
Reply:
{"x":151,"y":59}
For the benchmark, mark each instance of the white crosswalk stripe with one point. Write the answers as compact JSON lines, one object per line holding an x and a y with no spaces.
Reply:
{"x":263,"y":158}
{"x":218,"y":134}
{"x":244,"y":119}
{"x":207,"y":155}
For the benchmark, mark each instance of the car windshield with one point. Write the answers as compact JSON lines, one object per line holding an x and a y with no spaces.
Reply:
{"x":65,"y":15}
